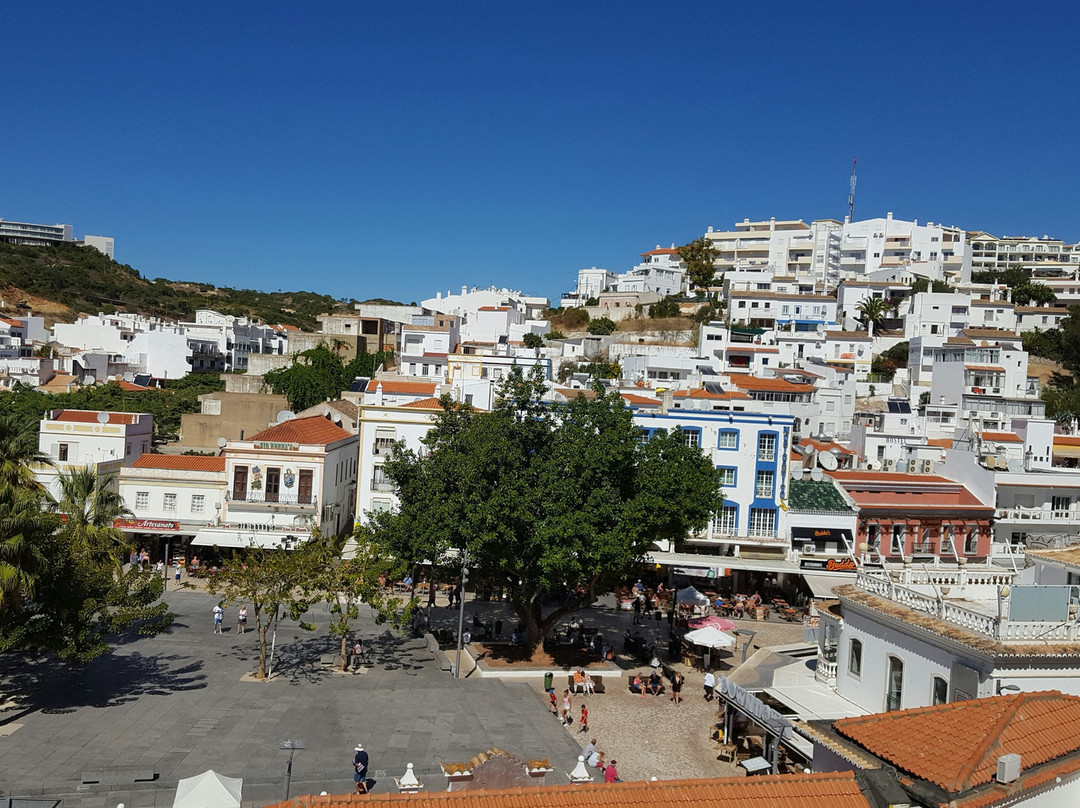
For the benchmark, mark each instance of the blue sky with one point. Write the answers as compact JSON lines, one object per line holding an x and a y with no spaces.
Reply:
{"x":392,"y":149}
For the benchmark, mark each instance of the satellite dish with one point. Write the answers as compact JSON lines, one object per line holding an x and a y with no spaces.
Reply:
{"x":817,"y":475}
{"x":128,"y":377}
{"x":1014,"y":465}
{"x":221,"y":443}
{"x":285,"y":415}
{"x":103,"y":417}
{"x":90,"y":381}
{"x":874,"y":465}
{"x":828,"y":461}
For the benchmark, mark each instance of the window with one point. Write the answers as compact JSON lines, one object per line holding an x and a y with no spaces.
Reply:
{"x":692,"y":437}
{"x":766,"y":446}
{"x":142,"y":500}
{"x":762,"y":522}
{"x":898,"y":539}
{"x":727,"y":476}
{"x":62,"y":452}
{"x":854,"y":665}
{"x":729,"y":439}
{"x":764,"y":484}
{"x":127,"y":451}
{"x":380,"y":505}
{"x":273,"y":484}
{"x":240,"y":483}
{"x":939,"y":691}
{"x":894,"y":684}
{"x":971,"y":541}
{"x":1060,"y":503}
{"x":873,"y":536}
{"x":724,"y":522}
{"x":198,"y":503}
{"x":169,"y":503}
{"x":303,"y":489}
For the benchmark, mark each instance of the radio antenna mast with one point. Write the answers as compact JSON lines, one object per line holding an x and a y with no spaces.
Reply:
{"x":851,"y":193}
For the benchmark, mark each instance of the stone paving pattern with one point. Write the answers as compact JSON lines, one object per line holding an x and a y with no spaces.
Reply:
{"x":180,"y":703}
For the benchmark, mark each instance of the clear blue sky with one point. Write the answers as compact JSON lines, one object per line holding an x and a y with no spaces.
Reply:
{"x":392,"y":149}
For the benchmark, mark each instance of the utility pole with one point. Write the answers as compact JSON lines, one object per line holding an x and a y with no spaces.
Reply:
{"x":461,"y":609}
{"x":851,"y":193}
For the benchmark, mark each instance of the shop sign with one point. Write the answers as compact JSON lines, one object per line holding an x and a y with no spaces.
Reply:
{"x":820,"y":534}
{"x":277,"y":446}
{"x":829,"y":564}
{"x":146,"y":524}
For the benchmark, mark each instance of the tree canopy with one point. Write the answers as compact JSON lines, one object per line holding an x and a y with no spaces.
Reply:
{"x":700,"y":258}
{"x":1033,"y":293}
{"x":546,"y":497}
{"x":601,"y":326}
{"x":320,"y":374}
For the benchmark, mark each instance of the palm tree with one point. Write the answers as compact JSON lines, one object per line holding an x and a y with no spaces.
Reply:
{"x":18,"y":453}
{"x":91,"y":503}
{"x":23,"y":531}
{"x":872,"y":311}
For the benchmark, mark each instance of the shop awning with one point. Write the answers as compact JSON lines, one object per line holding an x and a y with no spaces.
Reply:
{"x":225,"y":537}
{"x":821,"y":584}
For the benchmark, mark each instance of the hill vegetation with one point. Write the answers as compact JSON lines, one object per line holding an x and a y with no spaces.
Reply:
{"x":86,"y":281}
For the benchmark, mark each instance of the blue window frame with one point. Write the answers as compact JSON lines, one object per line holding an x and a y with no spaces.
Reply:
{"x":729,"y":475}
{"x":728,"y":439}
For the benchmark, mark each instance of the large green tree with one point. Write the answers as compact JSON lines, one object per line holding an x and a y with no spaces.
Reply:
{"x":700,"y":258}
{"x":1037,"y":294}
{"x":90,"y":503}
{"x":320,"y":374}
{"x":546,"y":496}
{"x":872,"y":311}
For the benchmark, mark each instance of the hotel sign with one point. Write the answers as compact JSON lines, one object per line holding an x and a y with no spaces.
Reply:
{"x":145,"y":524}
{"x":277,"y":446}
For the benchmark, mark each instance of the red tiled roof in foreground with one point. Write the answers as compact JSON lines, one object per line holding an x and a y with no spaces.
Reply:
{"x":91,"y":417}
{"x":390,"y":386}
{"x":180,"y":462}
{"x":957,"y":746}
{"x":820,"y":790}
{"x":1002,"y":437}
{"x":423,"y":404}
{"x":770,"y":383}
{"x":314,"y":430}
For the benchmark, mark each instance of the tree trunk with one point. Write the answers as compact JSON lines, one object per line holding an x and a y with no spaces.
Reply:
{"x":344,"y":651}
{"x":261,"y":674}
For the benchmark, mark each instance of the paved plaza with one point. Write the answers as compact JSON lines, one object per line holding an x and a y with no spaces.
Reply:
{"x":182,"y":702}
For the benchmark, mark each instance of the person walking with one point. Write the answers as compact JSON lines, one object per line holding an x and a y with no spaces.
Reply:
{"x":241,"y":620}
{"x":219,"y":617}
{"x":676,"y":687}
{"x":360,"y":769}
{"x":710,"y":685}
{"x":567,"y":715}
{"x":637,"y":611}
{"x":176,"y":573}
{"x":584,"y":719}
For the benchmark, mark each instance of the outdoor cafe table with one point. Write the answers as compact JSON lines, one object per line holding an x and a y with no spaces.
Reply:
{"x":755,"y":765}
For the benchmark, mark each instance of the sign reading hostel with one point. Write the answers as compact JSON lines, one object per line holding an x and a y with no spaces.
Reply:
{"x":146,"y":524}
{"x":277,"y":446}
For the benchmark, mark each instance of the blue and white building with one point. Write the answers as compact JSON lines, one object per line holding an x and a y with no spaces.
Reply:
{"x":753,"y":452}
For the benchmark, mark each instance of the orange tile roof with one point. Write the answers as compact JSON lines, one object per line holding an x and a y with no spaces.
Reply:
{"x":957,"y":746}
{"x":817,"y":790}
{"x":424,"y":404}
{"x":633,"y":398}
{"x":131,"y":388}
{"x":179,"y":462}
{"x":1041,"y":310}
{"x":854,"y":336}
{"x":724,"y":395}
{"x":825,"y":446}
{"x":943,"y":443}
{"x":1005,"y":304}
{"x":989,"y":333}
{"x":1066,"y":440}
{"x":9,"y":321}
{"x":880,"y":478}
{"x":1002,"y":437}
{"x":770,"y":383}
{"x":737,"y":346}
{"x":311,"y":430}
{"x":662,"y":251}
{"x":494,"y":308}
{"x":402,"y":388}
{"x":91,"y":417}
{"x":995,"y":368}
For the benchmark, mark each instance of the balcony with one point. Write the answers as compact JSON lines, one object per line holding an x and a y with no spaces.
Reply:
{"x":382,"y":484}
{"x":1067,"y":516}
{"x":287,"y":498}
{"x":825,"y":670}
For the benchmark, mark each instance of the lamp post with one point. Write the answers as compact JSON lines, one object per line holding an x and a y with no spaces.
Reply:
{"x":292,"y":744}
{"x":461,"y":609}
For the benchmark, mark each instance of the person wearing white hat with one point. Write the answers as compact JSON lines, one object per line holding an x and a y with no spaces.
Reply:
{"x":360,"y":764}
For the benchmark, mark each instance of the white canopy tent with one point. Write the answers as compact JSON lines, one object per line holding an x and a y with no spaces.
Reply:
{"x":688,"y":596}
{"x":208,"y":790}
{"x":709,"y":637}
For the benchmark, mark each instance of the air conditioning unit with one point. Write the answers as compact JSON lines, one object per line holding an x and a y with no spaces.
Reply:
{"x":912,"y":466}
{"x":997,"y":416}
{"x":927,"y":466}
{"x":973,"y":414}
{"x":890,"y":465}
{"x":1008,"y":768}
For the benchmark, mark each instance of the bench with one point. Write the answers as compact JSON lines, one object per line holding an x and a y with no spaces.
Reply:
{"x":644,"y":683}
{"x":440,"y":657}
{"x":597,"y":679}
{"x":119,"y":776}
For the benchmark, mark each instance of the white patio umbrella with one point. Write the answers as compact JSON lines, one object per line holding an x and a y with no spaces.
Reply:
{"x":208,"y":790}
{"x":709,"y":637}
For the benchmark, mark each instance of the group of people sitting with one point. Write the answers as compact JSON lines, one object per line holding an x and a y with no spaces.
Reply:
{"x":652,"y":684}
{"x":595,"y":759}
{"x":741,"y":604}
{"x":583,"y":682}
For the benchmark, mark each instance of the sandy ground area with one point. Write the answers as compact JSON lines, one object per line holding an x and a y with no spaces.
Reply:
{"x":654,"y":737}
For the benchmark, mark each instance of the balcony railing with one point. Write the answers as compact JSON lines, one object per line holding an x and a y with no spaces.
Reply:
{"x":262,"y":498}
{"x":1017,"y":514}
{"x":825,"y":671}
{"x":382,"y":484}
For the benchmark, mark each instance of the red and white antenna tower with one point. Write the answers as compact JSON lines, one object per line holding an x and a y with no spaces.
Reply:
{"x":851,"y":193}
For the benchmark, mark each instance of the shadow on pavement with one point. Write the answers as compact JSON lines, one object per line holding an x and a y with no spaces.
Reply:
{"x":42,"y":683}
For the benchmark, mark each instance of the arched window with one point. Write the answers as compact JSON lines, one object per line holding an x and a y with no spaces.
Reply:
{"x":894,"y":684}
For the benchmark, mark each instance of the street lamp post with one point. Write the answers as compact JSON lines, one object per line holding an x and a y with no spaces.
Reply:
{"x":292,"y":744}
{"x":461,"y":610}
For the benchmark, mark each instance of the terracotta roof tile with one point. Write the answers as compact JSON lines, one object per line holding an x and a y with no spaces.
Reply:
{"x":825,"y":446}
{"x":128,"y":387}
{"x":1041,"y":310}
{"x":662,"y":251}
{"x":818,"y":790}
{"x":956,"y":746}
{"x":180,"y":462}
{"x":1002,"y":437}
{"x":311,"y":430}
{"x":994,"y":368}
{"x":771,"y":384}
{"x":1066,"y":440}
{"x":402,"y":388}
{"x":723,"y":395}
{"x":989,"y":333}
{"x":943,"y":443}
{"x":634,"y":398}
{"x":91,"y":417}
{"x":423,"y":404}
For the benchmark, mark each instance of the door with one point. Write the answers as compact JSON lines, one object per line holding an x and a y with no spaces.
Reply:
{"x":273,"y":484}
{"x":303,"y":489}
{"x":240,"y":483}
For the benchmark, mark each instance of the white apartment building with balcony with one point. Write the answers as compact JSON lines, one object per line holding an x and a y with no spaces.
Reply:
{"x":425,"y":345}
{"x":36,"y":235}
{"x":223,"y":342}
{"x":871,"y":245}
{"x":999,"y":253}
{"x":779,"y":247}
{"x":285,"y":480}
{"x":752,"y":451}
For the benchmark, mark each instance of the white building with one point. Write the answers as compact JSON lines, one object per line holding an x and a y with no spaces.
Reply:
{"x":79,"y":438}
{"x":223,"y":342}
{"x":871,"y":245}
{"x":425,"y":345}
{"x":1032,"y":253}
{"x":171,"y":498}
{"x":36,"y":235}
{"x":284,"y":481}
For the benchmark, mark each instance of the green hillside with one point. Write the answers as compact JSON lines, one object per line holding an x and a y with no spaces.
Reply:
{"x":86,"y":281}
